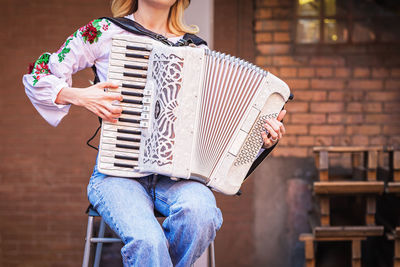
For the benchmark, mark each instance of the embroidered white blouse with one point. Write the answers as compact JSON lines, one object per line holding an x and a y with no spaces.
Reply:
{"x":90,"y":45}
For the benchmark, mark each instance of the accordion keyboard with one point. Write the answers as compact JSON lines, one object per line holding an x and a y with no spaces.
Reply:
{"x":120,"y":141}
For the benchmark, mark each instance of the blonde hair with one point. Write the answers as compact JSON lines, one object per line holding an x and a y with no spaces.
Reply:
{"x":176,"y":25}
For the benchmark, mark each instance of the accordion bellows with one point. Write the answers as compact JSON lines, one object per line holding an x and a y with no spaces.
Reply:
{"x":188,"y":113}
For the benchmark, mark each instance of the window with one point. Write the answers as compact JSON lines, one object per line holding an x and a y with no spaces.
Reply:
{"x":347,"y":21}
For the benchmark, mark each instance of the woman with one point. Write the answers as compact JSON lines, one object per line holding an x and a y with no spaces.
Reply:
{"x":127,"y":205}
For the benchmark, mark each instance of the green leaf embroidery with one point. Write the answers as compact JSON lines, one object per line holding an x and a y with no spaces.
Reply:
{"x":41,"y":67}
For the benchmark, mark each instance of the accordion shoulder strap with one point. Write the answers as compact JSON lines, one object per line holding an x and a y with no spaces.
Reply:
{"x":258,"y":160}
{"x":134,"y":27}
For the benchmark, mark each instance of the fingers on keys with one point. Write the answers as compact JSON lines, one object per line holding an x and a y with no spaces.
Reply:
{"x":266,"y":140}
{"x":281,"y":115}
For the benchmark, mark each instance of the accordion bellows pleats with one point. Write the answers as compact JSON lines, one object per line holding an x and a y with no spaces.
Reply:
{"x":188,"y":113}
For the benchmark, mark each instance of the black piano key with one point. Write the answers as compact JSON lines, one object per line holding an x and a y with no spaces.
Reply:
{"x":135,"y":67}
{"x":129,"y":120}
{"x":135,"y":75}
{"x":132,"y":101}
{"x":141,"y":87}
{"x":127,"y":146}
{"x":138,"y":48}
{"x":129,"y":139}
{"x":131,"y":93}
{"x":129,"y":131}
{"x":137,"y":113}
{"x":136,"y":56}
{"x":126,"y":157}
{"x":124,"y":165}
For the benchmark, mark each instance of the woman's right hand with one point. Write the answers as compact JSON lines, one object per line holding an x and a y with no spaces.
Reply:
{"x":94,"y":98}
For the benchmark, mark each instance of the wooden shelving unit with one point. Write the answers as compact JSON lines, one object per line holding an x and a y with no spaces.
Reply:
{"x":327,"y":188}
{"x":393,"y":187}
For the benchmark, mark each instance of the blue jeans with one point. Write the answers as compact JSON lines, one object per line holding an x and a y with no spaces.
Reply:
{"x":127,"y":206}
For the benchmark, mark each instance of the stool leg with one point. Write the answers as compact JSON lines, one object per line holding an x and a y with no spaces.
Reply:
{"x":89,"y":233}
{"x":211,"y":254}
{"x":99,"y":245}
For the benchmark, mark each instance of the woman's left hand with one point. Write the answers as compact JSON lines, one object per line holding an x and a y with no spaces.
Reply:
{"x":274,"y":130}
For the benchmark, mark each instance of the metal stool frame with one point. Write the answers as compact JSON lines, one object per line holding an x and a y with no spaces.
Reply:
{"x":100,"y":239}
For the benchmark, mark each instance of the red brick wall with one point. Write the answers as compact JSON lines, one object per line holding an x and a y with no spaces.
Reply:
{"x":344,"y":94}
{"x":43,"y":170}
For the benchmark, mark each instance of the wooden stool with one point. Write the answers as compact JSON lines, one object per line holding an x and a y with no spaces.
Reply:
{"x":100,"y":239}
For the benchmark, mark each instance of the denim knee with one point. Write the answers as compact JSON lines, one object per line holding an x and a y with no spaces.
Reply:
{"x":202,"y":218}
{"x":152,"y":248}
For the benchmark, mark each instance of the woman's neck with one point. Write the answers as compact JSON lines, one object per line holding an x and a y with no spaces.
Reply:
{"x":153,"y":17}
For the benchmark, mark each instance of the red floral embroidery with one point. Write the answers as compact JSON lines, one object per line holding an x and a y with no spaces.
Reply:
{"x":89,"y":33}
{"x":42,"y":68}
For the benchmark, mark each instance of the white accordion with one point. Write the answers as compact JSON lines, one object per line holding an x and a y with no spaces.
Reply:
{"x":188,"y":112}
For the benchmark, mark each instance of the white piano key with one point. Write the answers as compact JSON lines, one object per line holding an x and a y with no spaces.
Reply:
{"x":130,"y":59}
{"x":122,"y":123}
{"x":108,"y":140}
{"x":110,"y":166}
{"x":122,"y":161}
{"x":122,"y":41}
{"x":115,"y":128}
{"x":112,"y":154}
{"x":115,"y":134}
{"x":129,"y":108}
{"x":131,"y":105}
{"x":119,"y":82}
{"x":119,"y":124}
{"x":122,"y":63}
{"x":120,"y":76}
{"x":122,"y":69}
{"x":112,"y":147}
{"x":124,"y":49}
{"x":129,"y":97}
{"x":130,"y":116}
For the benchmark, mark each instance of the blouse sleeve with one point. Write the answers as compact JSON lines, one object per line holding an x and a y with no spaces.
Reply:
{"x":52,"y":72}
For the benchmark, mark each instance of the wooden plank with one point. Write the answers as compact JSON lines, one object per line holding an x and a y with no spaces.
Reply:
{"x":309,"y":249}
{"x":348,"y":187}
{"x":355,"y":162}
{"x":372,"y":164}
{"x":344,"y":149}
{"x":396,"y":165}
{"x":308,"y":240}
{"x":348,"y":231}
{"x":323,"y":175}
{"x":338,"y":238}
{"x":324,"y":211}
{"x":323,"y":165}
{"x":393,"y":188}
{"x":356,"y":253}
{"x":397,"y":249}
{"x":316,"y":160}
{"x":306,"y":236}
{"x":370,"y":211}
